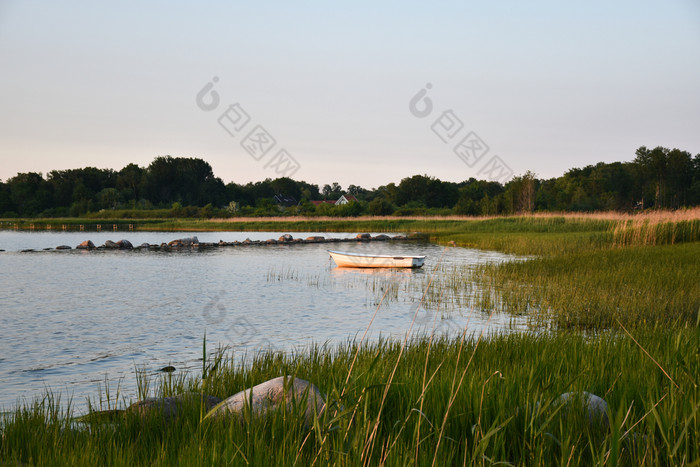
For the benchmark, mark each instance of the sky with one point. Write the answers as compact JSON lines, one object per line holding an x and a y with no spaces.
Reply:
{"x":362,"y":93}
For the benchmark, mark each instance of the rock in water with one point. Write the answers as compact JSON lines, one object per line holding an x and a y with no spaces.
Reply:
{"x":363,"y":236}
{"x":270,"y":395}
{"x":125,"y":244}
{"x":63,"y":247}
{"x":316,"y":238}
{"x":86,"y":245}
{"x":183,"y":242}
{"x":111,"y":245}
{"x":285,"y":238}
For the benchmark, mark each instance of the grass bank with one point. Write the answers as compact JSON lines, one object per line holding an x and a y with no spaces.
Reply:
{"x":435,"y":402}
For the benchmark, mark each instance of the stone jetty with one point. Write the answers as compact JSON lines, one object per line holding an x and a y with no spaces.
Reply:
{"x":193,"y":243}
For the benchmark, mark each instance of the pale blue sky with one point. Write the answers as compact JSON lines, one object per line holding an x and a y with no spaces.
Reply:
{"x":546,"y":85}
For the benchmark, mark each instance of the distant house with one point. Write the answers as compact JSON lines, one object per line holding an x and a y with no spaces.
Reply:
{"x":346,"y":199}
{"x":285,"y":201}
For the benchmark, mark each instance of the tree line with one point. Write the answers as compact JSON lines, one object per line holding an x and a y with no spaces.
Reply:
{"x":187,"y":187}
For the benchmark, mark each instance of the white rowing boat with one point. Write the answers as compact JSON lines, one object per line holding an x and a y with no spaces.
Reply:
{"x":360,"y":260}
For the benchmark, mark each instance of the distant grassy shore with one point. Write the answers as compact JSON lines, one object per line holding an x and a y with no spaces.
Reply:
{"x":619,"y":296}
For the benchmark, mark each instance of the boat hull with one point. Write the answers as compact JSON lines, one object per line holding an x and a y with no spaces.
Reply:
{"x":357,"y":260}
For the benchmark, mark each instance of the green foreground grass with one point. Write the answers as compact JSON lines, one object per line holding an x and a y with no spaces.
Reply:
{"x":439,"y":402}
{"x":598,"y":284}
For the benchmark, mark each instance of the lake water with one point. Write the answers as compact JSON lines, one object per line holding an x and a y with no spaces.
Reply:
{"x":73,"y":321}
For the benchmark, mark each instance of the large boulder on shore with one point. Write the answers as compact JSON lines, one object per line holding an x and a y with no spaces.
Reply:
{"x":271,"y":395}
{"x":169,"y":406}
{"x":86,"y":245}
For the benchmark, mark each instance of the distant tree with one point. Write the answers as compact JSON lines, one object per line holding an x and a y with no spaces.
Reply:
{"x":380,"y":207}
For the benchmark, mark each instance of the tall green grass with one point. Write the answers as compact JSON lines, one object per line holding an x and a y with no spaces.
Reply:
{"x":449,"y":402}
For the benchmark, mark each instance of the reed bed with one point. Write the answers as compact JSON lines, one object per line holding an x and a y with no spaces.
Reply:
{"x":436,"y":401}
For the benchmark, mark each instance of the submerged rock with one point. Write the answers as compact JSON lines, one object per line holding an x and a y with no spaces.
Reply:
{"x":381,"y":237}
{"x":270,"y":395}
{"x":86,"y":245}
{"x":63,"y":247}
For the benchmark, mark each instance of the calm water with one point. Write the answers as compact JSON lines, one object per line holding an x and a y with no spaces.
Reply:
{"x":73,"y":320}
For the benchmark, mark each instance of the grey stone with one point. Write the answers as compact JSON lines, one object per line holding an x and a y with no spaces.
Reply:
{"x":169,"y":406}
{"x":381,"y":237}
{"x":271,"y":395}
{"x":594,"y":406}
{"x":111,"y":245}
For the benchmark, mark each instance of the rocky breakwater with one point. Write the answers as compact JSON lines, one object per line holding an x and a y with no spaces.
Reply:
{"x":193,"y":243}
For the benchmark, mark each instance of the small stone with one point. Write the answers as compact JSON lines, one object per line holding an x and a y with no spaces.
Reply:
{"x":381,"y":237}
{"x":167,"y":369}
{"x":26,"y":250}
{"x":315,"y":239}
{"x":363,"y":236}
{"x":63,"y":247}
{"x":285,"y":238}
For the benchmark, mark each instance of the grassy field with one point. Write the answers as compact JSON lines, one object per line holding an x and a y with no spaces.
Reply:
{"x":620,"y":298}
